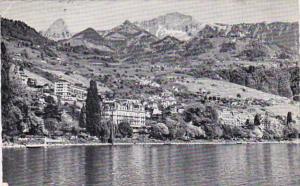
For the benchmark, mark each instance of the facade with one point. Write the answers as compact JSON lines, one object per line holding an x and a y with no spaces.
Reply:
{"x":31,"y":82}
{"x":78,"y":91}
{"x":19,"y":73}
{"x":131,"y":111}
{"x":62,"y":89}
{"x":67,"y":90}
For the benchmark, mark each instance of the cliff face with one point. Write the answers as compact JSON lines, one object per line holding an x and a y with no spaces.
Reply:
{"x":280,"y":81}
{"x":283,"y":81}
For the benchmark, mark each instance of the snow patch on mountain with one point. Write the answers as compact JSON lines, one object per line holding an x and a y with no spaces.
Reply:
{"x":163,"y":32}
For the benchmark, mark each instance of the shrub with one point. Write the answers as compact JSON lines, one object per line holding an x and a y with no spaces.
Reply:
{"x":257,"y":120}
{"x":124,"y":129}
{"x":159,"y":131}
{"x":289,"y":118}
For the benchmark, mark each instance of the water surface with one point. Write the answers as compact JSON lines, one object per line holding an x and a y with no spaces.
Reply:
{"x":251,"y":164}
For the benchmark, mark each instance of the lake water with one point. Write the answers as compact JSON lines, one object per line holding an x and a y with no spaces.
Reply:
{"x":251,"y":164}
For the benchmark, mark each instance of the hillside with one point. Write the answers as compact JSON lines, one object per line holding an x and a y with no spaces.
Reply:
{"x":19,"y":31}
{"x":247,"y":76}
{"x":90,"y":39}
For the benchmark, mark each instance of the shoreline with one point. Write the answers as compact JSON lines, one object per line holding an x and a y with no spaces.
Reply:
{"x":151,"y":143}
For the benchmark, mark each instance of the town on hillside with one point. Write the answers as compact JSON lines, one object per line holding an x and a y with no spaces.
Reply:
{"x":134,"y":83}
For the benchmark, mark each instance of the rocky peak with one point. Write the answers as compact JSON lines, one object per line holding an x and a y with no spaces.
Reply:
{"x":175,"y":24}
{"x":88,"y":33}
{"x":58,"y":30}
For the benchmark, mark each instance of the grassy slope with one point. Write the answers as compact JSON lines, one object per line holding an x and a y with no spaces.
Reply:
{"x":280,"y":105}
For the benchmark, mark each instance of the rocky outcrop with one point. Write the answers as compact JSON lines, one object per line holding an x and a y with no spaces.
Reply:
{"x":280,"y":81}
{"x":173,"y":24}
{"x":283,"y":81}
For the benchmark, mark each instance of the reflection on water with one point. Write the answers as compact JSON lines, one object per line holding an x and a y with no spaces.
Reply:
{"x":252,"y":164}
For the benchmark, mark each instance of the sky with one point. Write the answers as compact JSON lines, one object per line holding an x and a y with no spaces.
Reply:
{"x":105,"y":14}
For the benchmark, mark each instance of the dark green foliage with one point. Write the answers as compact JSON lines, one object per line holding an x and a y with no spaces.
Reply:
{"x":125,"y":129}
{"x":93,"y":112}
{"x":52,"y":110}
{"x":198,"y":46}
{"x":230,"y":132}
{"x":201,"y":115}
{"x":290,"y":132}
{"x":159,"y":131}
{"x":249,"y":125}
{"x":12,"y":116}
{"x":5,"y":85}
{"x":227,"y":47}
{"x":213,"y":131}
{"x":82,"y":117}
{"x":257,"y":120}
{"x":103,"y":130}
{"x":289,"y":118}
{"x":51,"y":124}
{"x":17,"y":118}
{"x":21,"y":31}
{"x":176,"y":132}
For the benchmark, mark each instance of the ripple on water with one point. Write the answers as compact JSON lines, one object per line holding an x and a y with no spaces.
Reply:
{"x":251,"y":164}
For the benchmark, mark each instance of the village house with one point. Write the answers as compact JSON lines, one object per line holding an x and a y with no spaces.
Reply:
{"x":18,"y":72}
{"x":125,"y":110}
{"x":78,"y":91}
{"x":31,"y":82}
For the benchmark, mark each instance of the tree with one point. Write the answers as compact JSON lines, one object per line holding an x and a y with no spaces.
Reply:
{"x":51,"y":124}
{"x":42,"y":56}
{"x":82,"y":117}
{"x":93,"y":112}
{"x":289,"y":118}
{"x":51,"y":110}
{"x":125,"y":129}
{"x":25,"y":54}
{"x":103,"y":130}
{"x":257,"y":120}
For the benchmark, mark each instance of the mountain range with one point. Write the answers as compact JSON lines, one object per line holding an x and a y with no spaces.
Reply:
{"x":183,"y":37}
{"x":184,"y":27}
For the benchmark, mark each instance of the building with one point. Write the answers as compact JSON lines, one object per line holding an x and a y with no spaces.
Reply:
{"x":62,"y":89}
{"x":67,"y":90}
{"x":18,"y":73}
{"x":78,"y":91}
{"x":31,"y":82}
{"x":125,"y":110}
